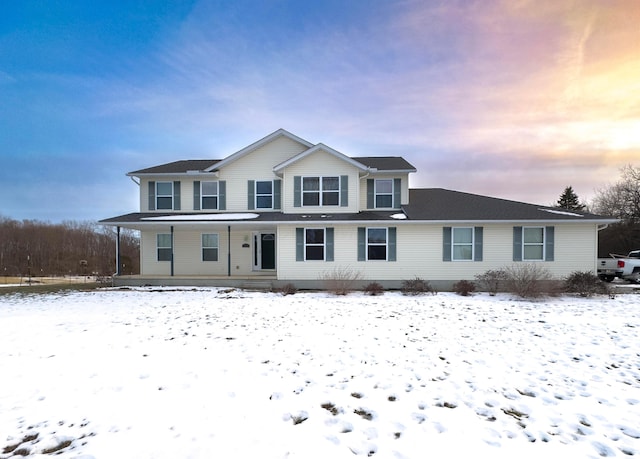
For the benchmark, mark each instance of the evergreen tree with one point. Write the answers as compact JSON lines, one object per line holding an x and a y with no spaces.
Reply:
{"x":569,"y":200}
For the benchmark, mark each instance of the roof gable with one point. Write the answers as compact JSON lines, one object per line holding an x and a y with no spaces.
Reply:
{"x":315,"y":149}
{"x":254,"y":146}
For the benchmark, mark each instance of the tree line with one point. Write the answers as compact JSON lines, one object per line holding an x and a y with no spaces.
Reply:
{"x":620,"y":200}
{"x":38,"y":248}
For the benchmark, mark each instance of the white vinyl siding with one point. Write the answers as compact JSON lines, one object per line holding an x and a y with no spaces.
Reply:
{"x":419,"y":248}
{"x":321,"y":164}
{"x":257,"y":165}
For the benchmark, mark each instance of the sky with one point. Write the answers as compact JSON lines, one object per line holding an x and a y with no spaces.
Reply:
{"x":516,"y":99}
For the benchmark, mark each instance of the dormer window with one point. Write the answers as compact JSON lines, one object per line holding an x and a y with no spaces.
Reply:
{"x":384,"y":193}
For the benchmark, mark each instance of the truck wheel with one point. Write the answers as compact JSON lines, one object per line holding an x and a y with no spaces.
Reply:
{"x":607,"y":278}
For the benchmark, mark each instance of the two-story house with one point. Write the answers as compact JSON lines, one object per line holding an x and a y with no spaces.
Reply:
{"x":285,"y":210}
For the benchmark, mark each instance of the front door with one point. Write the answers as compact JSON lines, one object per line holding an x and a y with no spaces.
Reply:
{"x":264,"y":251}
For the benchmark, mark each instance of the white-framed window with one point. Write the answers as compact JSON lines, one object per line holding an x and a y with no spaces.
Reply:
{"x":209,"y":195}
{"x":383,"y":190}
{"x":321,"y":191}
{"x":264,"y":194}
{"x":164,"y":195}
{"x":533,"y":239}
{"x":163,"y":246}
{"x":462,"y":242}
{"x":377,"y":243}
{"x":210,"y":247}
{"x":314,"y":243}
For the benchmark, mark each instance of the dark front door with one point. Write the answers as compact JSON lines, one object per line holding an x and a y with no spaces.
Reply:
{"x":268,"y":251}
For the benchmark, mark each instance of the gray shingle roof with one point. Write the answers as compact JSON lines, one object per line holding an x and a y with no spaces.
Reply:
{"x":385,"y":163}
{"x":446,"y":205}
{"x":178,"y":167}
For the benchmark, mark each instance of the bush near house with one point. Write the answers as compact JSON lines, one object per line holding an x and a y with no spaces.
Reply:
{"x":416,"y":286}
{"x":492,"y":280}
{"x":464,"y":287}
{"x":340,"y":281}
{"x":585,"y":284}
{"x":373,"y":289}
{"x":528,"y":280}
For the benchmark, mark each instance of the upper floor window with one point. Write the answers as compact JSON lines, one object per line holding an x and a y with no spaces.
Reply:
{"x":264,"y":194}
{"x":210,"y":247}
{"x":384,"y":193}
{"x":164,"y":195}
{"x":320,"y":191}
{"x":209,"y":195}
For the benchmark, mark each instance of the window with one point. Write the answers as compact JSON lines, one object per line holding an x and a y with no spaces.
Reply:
{"x":462,"y":244}
{"x":376,"y":243}
{"x":533,"y":243}
{"x":209,"y":195}
{"x":314,"y":239}
{"x":163,"y":244}
{"x":164,"y":195}
{"x":321,"y":191}
{"x":264,"y":194}
{"x":210,"y":247}
{"x":384,"y":193}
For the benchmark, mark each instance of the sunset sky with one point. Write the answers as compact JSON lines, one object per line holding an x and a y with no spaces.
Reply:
{"x":516,"y":99}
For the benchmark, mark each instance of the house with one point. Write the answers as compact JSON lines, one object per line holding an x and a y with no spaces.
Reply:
{"x":285,"y":210}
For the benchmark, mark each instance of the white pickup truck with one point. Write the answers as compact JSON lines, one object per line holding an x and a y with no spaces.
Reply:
{"x":625,"y":267}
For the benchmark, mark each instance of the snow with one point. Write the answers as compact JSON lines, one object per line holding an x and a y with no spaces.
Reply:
{"x":399,"y":216}
{"x":204,"y":217}
{"x":210,"y":372}
{"x":561,"y":212}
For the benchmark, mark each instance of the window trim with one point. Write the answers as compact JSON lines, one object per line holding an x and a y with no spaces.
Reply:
{"x":217,"y":195}
{"x":472,"y":243}
{"x":323,"y":245}
{"x":376,"y":193}
{"x":320,"y":191}
{"x":159,"y":247}
{"x":257,"y":195}
{"x":158,"y":195}
{"x":216,"y":248}
{"x":385,"y":244}
{"x":542,"y":244}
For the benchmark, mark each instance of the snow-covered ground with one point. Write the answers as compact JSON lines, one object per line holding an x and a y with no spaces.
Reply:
{"x":203,"y":373}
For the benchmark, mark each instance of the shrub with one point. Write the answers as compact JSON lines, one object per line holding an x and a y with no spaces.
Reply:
{"x":491,"y":280}
{"x":585,"y":284}
{"x":340,"y":281}
{"x":464,"y":287}
{"x":287,"y":289}
{"x":374,"y":289}
{"x":416,"y":286}
{"x":528,"y":280}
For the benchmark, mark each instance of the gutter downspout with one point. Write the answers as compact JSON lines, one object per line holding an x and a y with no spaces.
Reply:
{"x":229,"y":250}
{"x":118,"y":263}
{"x":172,"y":272}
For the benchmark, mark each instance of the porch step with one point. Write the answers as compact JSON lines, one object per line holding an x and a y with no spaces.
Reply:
{"x":256,"y":285}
